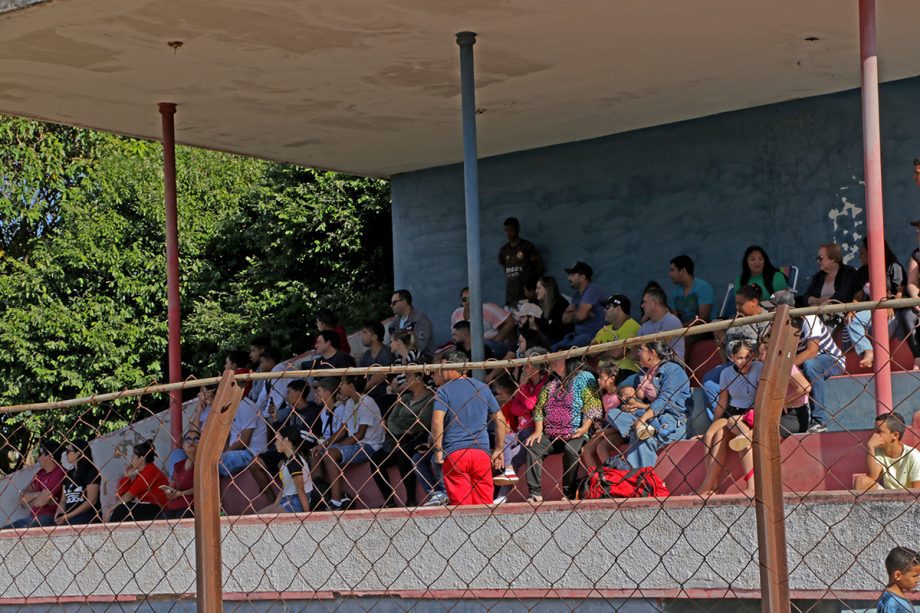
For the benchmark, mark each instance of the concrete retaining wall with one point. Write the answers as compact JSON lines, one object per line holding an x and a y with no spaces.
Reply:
{"x":601,"y":546}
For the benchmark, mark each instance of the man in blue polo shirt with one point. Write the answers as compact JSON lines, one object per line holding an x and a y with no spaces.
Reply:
{"x":586,"y":311}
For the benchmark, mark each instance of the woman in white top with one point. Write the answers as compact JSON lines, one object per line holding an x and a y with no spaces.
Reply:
{"x":297,"y":494}
{"x":738,"y":385}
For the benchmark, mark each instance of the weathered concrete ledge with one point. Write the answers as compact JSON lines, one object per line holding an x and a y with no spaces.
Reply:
{"x":678,"y":547}
{"x":8,"y":6}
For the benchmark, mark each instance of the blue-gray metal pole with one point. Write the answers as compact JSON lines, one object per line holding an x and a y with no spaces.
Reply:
{"x":466,"y":40}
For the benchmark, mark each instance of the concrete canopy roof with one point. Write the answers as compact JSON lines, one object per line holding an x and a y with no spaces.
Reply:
{"x":372,"y":88}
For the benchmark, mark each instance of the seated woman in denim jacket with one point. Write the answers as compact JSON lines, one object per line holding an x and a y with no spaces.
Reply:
{"x":649,"y":425}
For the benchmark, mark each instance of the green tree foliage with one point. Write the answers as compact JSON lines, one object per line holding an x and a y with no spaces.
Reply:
{"x":83,"y":278}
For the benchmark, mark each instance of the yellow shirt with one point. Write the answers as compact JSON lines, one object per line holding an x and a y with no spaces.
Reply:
{"x":609,"y":334}
{"x":899,"y":472}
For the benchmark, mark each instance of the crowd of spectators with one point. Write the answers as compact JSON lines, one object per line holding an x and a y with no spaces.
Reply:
{"x":464,"y":441}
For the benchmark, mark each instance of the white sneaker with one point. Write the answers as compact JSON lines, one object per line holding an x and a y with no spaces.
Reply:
{"x":436,"y":499}
{"x":507,"y":477}
{"x":645,"y":432}
{"x":500,"y":500}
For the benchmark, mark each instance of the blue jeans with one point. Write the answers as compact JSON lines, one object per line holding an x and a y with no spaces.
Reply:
{"x":817,"y":370}
{"x":669,"y":428}
{"x":232,"y":462}
{"x":355,"y":454}
{"x":859,"y":331}
{"x":86,"y":517}
{"x":499,"y":349}
{"x":175,"y":456}
{"x":574,"y":339}
{"x":432,"y":477}
{"x":31,"y":521}
{"x":711,"y":388}
{"x":291,"y":504}
{"x":900,"y":326}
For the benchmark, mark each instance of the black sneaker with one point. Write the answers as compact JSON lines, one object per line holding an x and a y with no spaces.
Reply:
{"x":816,"y":426}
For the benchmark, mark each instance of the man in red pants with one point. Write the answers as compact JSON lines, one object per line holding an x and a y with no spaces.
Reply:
{"x":462,"y":408}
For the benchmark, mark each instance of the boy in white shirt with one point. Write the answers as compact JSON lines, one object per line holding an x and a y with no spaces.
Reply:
{"x":891,"y":463}
{"x":359,"y":435}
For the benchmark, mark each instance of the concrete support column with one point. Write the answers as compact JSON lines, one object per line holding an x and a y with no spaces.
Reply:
{"x":466,"y":40}
{"x":872,"y":154}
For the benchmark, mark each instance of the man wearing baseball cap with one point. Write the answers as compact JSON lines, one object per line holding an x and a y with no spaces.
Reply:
{"x":586,"y":311}
{"x":620,"y":326}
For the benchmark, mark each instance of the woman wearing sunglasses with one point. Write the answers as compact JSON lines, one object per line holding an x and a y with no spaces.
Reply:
{"x":180,"y":490}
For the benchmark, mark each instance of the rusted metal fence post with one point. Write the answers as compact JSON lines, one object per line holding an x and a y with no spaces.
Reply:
{"x":768,"y":481}
{"x":207,"y":494}
{"x":173,"y":309}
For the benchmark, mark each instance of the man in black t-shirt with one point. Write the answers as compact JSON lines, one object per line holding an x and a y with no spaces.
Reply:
{"x":328,"y":354}
{"x":377,"y":354}
{"x":521,"y":262}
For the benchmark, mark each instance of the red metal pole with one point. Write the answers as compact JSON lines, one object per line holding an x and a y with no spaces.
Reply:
{"x":875,"y":223}
{"x":168,"y":111}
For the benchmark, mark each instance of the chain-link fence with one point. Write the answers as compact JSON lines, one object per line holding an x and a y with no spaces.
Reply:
{"x":666,"y":472}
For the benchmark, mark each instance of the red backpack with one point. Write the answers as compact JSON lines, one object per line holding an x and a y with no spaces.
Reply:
{"x":605,"y":482}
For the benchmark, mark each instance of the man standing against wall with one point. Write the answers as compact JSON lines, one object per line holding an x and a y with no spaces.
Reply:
{"x":520,"y":260}
{"x":692,"y":298}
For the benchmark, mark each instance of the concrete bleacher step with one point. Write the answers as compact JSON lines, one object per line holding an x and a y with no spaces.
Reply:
{"x":811,"y":463}
{"x":702,"y":356}
{"x":241,"y":494}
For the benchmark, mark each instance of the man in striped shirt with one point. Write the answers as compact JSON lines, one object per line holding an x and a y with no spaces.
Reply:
{"x":819,"y":358}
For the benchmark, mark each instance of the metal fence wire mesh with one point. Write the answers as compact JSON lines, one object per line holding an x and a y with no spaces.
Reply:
{"x":620,"y":476}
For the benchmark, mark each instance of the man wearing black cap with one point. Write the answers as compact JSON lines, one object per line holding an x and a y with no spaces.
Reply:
{"x":620,"y":326}
{"x":586,"y":311}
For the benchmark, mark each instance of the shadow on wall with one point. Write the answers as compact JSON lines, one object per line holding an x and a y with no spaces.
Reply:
{"x":786,"y":176}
